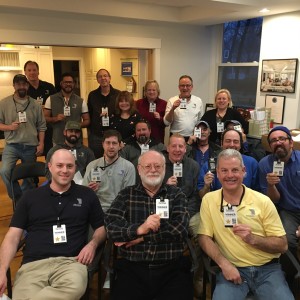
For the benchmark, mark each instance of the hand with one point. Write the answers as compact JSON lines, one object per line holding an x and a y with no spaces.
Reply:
{"x":3,"y":282}
{"x":192,"y":139}
{"x":14,"y":126}
{"x":209,"y":178}
{"x":231,"y":273}
{"x":60,"y":117}
{"x":272,"y":179}
{"x":244,"y":232}
{"x":87,"y":253}
{"x":176,"y":104}
{"x":172,"y":180}
{"x":130,"y":243}
{"x":152,"y":223}
{"x":39,"y":149}
{"x":156,"y":115}
{"x":94,"y":185}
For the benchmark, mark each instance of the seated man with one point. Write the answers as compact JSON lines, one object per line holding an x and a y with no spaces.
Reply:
{"x":241,"y":231}
{"x":55,"y":217}
{"x":149,"y":223}
{"x":83,"y":155}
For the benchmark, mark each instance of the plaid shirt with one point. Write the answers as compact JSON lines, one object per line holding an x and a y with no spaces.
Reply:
{"x":132,"y":207}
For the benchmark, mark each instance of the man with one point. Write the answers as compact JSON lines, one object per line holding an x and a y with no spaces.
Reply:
{"x":24,"y":125}
{"x":149,"y":223}
{"x":65,"y":106}
{"x":39,"y":90}
{"x":101,"y":104}
{"x":184,"y":111}
{"x":111,"y":173}
{"x":202,"y":149}
{"x":241,"y":231}
{"x":279,"y":179}
{"x":82,"y":154}
{"x":140,"y":143}
{"x":230,"y":139}
{"x":56,"y":218}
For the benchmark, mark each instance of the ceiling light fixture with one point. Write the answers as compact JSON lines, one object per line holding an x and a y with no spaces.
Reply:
{"x":264,"y":10}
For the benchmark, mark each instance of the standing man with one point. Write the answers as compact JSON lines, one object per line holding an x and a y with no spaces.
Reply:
{"x":241,"y":231}
{"x":184,"y":111}
{"x":24,"y":125}
{"x":65,"y":106}
{"x":39,"y":90}
{"x":56,"y":218}
{"x":101,"y":104}
{"x":149,"y":223}
{"x":108,"y":175}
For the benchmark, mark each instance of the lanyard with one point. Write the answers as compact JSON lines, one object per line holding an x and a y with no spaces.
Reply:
{"x":105,"y":165}
{"x":21,"y":110}
{"x":60,"y":208}
{"x":222,"y":198}
{"x":66,"y":102}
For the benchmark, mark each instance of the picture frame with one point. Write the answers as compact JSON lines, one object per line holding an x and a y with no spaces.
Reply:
{"x":279,"y":75}
{"x":209,"y":106}
{"x":276,"y":103}
{"x":126,"y":68}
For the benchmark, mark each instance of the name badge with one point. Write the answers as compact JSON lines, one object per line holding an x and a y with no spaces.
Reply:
{"x":278,"y":167}
{"x":162,"y":208}
{"x":152,"y":107}
{"x":177,"y":170}
{"x":237,"y":128}
{"x":230,"y":216}
{"x":22,"y":116}
{"x":105,"y":120}
{"x":73,"y":151}
{"x":183,"y":103}
{"x":39,"y":101}
{"x":59,"y":234}
{"x":105,"y":110}
{"x":197,"y":132}
{"x":220,"y":127}
{"x":144,"y":148}
{"x":96,"y":175}
{"x":67,"y":111}
{"x":212,"y":165}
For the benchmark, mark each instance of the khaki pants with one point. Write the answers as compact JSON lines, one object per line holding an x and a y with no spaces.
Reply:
{"x":58,"y":278}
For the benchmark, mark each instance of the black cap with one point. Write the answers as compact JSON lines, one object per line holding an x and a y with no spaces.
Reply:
{"x":234,"y":122}
{"x":281,"y":128}
{"x":203,"y":123}
{"x":20,"y":78}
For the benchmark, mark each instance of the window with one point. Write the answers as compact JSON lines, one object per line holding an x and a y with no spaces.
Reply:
{"x":240,"y":55}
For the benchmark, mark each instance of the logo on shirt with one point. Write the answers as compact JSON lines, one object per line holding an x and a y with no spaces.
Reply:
{"x":79,"y":202}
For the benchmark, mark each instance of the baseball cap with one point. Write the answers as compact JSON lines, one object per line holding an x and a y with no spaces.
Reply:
{"x":203,"y":123}
{"x":234,"y":122}
{"x":20,"y":78}
{"x":73,"y":125}
{"x":281,"y":128}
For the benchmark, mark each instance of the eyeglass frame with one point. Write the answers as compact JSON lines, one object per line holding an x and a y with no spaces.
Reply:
{"x":281,"y":139}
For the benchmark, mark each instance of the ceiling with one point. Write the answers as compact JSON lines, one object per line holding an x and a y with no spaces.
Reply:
{"x":198,"y":12}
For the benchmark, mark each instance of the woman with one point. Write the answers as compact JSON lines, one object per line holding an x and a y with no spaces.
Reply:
{"x":222,"y":112}
{"x":152,"y":109}
{"x":126,"y":116}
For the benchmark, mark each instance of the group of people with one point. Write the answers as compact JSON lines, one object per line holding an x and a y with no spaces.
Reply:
{"x":147,"y":197}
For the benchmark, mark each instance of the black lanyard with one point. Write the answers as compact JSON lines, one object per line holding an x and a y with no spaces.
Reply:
{"x":20,"y":104}
{"x":222,"y":198}
{"x":106,"y":166}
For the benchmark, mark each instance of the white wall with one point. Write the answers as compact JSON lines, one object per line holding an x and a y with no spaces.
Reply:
{"x":179,"y":49}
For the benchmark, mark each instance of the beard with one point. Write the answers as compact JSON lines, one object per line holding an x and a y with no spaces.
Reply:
{"x":152,"y":181}
{"x":72,"y":139}
{"x":22,"y":93}
{"x":281,"y":152}
{"x":142,"y":139}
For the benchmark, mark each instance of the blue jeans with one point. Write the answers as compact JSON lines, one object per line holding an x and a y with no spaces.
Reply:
{"x":265,"y":282}
{"x":11,"y":154}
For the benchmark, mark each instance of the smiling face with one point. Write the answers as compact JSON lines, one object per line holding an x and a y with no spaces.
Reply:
{"x":280,"y":144}
{"x":32,"y":72}
{"x":142,"y":132}
{"x":103,"y":78}
{"x":151,"y":92}
{"x":222,"y":101}
{"x":231,"y":140}
{"x":176,"y":149}
{"x":124,"y":105}
{"x":185,"y":87}
{"x":67,"y":84}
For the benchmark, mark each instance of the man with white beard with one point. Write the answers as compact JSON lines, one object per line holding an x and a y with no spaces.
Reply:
{"x":148,"y":222}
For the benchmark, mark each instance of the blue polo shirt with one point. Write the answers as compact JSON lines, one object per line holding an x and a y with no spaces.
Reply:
{"x":289,"y":185}
{"x":250,"y":180}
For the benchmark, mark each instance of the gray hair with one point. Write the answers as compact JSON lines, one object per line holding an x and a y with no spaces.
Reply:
{"x":230,"y":153}
{"x":151,"y":151}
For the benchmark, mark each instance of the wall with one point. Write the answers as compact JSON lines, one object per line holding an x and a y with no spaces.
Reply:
{"x":178,"y":49}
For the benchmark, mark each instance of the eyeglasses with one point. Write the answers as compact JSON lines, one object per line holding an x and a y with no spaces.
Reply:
{"x":67,"y":82}
{"x":149,"y":167}
{"x":280,"y":139}
{"x":185,"y":85}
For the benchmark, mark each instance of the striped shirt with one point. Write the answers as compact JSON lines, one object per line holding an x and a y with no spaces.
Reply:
{"x":132,"y":207}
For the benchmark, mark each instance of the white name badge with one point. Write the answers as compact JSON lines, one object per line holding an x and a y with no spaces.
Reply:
{"x":105,"y":110}
{"x":59,"y":234}
{"x":144,"y":148}
{"x":162,"y":208}
{"x":197,"y":132}
{"x":152,"y":107}
{"x":177,"y":170}
{"x":105,"y":121}
{"x":230,"y":216}
{"x":96,"y":175}
{"x":237,"y":128}
{"x":220,"y":127}
{"x":39,"y":100}
{"x":22,"y":116}
{"x":67,"y":111}
{"x":73,"y":151}
{"x":183,"y":103}
{"x":278,"y":168}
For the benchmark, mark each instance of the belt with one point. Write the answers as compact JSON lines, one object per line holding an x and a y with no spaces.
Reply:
{"x":272,"y":261}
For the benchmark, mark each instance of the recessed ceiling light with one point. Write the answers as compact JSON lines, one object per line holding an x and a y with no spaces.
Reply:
{"x":264,"y":10}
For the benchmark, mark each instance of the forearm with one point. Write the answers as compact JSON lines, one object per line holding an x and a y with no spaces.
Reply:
{"x":204,"y":190}
{"x":273,"y":193}
{"x":41,"y":137}
{"x":4,"y":127}
{"x":270,"y":244}
{"x":85,"y":121}
{"x":98,"y":237}
{"x":169,"y":116}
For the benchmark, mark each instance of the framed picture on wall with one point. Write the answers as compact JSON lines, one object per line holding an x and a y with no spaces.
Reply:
{"x":276,"y":103}
{"x":126,"y":68}
{"x":279,"y":75}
